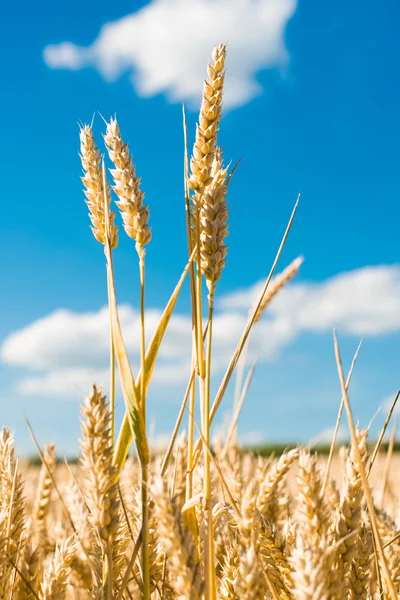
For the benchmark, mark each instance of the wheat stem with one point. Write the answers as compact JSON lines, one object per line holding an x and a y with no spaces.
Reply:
{"x":339,"y":416}
{"x":367,"y":491}
{"x":145,"y":531}
{"x":112,"y":364}
{"x":209,"y":541}
{"x":382,"y":433}
{"x":388,"y":463}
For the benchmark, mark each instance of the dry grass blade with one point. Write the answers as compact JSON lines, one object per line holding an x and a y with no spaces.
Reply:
{"x":214,"y":460}
{"x":333,"y":443}
{"x":238,"y":410}
{"x":23,"y":578}
{"x":382,"y":433}
{"x":129,"y":567}
{"x":171,"y":444}
{"x":388,"y":463}
{"x":71,"y":522}
{"x":367,"y":491}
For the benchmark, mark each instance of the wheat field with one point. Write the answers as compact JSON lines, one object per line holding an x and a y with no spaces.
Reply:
{"x":204,"y":520}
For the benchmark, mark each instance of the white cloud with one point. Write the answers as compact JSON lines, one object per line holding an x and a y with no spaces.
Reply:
{"x":365,"y":301}
{"x":62,"y":383}
{"x":64,"y":352}
{"x":164,"y":46}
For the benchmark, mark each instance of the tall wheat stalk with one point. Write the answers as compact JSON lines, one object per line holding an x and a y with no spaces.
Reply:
{"x":135,"y":217}
{"x":98,"y":200}
{"x":207,"y":218}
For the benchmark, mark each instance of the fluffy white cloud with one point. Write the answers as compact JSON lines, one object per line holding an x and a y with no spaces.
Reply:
{"x":365,"y":301}
{"x":65,"y":352}
{"x":165,"y":45}
{"x":67,"y":382}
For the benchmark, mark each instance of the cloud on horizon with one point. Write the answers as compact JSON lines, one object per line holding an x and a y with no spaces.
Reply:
{"x":66,"y":351}
{"x":164,"y":47}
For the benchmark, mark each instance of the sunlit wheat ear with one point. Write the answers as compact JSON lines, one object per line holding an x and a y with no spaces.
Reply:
{"x":207,"y":128}
{"x":310,"y":511}
{"x":30,"y":567}
{"x":311,"y":565}
{"x":278,"y":283}
{"x":214,"y":224}
{"x":388,"y":530}
{"x":12,"y":513}
{"x":43,"y":493}
{"x":251,"y":583}
{"x":93,"y":187}
{"x":361,"y":566}
{"x":134,"y":213}
{"x":97,"y":453}
{"x":177,"y":543}
{"x":273,"y":477}
{"x":348,"y":515}
{"x":55,"y":580}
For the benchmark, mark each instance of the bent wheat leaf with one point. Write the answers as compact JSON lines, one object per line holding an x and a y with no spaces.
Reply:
{"x":135,"y":420}
{"x":125,"y":435}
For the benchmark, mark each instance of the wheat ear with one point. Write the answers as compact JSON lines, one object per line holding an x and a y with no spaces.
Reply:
{"x":55,"y":580}
{"x":97,"y":462}
{"x":93,"y":187}
{"x":348,"y":516}
{"x":361,"y":566}
{"x":214,"y":223}
{"x":30,"y":570}
{"x":177,"y":543}
{"x":267,"y":493}
{"x":12,"y":513}
{"x":45,"y":487}
{"x":229,"y":574}
{"x":135,"y":214}
{"x":207,"y":128}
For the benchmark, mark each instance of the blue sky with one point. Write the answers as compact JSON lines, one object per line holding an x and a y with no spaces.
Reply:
{"x":312,"y":105}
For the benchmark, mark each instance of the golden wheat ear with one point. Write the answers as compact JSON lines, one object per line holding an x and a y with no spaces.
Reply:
{"x":93,"y":187}
{"x":135,"y":214}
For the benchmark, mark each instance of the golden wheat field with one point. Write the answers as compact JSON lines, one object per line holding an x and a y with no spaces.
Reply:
{"x":204,"y":520}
